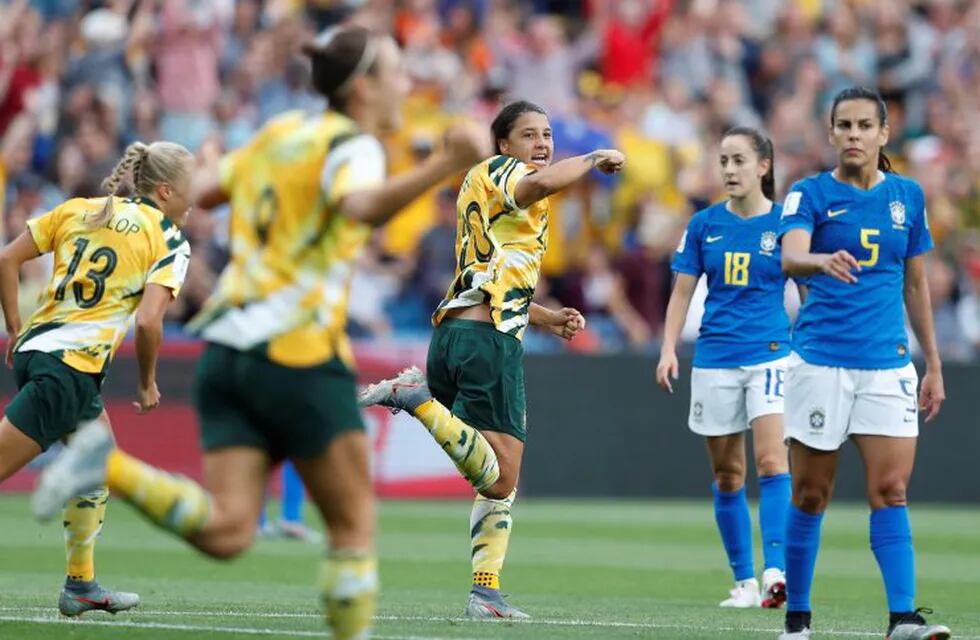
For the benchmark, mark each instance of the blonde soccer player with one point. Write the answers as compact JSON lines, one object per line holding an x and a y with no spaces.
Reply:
{"x":113,"y":256}
{"x":472,"y":397}
{"x":276,"y":379}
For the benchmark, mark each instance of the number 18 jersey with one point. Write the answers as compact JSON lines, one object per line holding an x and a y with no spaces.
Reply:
{"x":99,"y":276}
{"x":744,"y":321}
{"x":860,"y":325}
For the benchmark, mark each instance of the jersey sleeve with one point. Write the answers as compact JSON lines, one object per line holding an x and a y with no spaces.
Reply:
{"x":920,"y":238}
{"x":356,"y":164}
{"x":687,"y":258}
{"x":170,"y":269}
{"x":44,"y":228}
{"x":799,"y":210}
{"x":505,"y":173}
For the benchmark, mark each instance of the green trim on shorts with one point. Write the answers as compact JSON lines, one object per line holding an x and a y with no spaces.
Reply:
{"x":244,"y":399}
{"x":478,"y":373}
{"x":53,"y":399}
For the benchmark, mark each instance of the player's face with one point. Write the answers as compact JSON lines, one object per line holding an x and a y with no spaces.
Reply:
{"x":530,"y":140}
{"x":390,"y":85}
{"x":857,"y":133}
{"x":741,"y":168}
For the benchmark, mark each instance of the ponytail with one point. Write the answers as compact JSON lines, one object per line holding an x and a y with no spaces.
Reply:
{"x":884,"y":164}
{"x":125,"y":173}
{"x":763,"y":148}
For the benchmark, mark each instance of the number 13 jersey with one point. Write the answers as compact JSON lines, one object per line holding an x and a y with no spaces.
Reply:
{"x":99,"y":276}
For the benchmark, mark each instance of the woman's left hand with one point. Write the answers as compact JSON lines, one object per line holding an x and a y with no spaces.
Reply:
{"x":932,"y":393}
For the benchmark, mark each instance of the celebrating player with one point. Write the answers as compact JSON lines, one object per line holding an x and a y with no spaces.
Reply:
{"x":112,"y":256}
{"x":275,"y":380}
{"x":740,"y":358}
{"x":472,"y":399}
{"x":859,"y":232}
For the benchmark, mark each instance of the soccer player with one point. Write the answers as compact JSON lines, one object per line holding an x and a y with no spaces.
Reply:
{"x":740,"y":358}
{"x":858,"y":233}
{"x":473,"y":400}
{"x":275,"y":380}
{"x":112,"y":257}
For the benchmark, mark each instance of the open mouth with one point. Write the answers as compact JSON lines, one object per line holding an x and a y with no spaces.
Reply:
{"x":731,"y":184}
{"x":540,"y":159}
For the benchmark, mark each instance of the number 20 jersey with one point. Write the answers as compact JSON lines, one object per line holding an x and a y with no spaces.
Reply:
{"x":860,"y":325}
{"x":99,"y":276}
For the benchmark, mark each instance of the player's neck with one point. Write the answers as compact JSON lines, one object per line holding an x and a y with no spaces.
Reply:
{"x":364,"y":117}
{"x":749,"y":206}
{"x":862,"y":177}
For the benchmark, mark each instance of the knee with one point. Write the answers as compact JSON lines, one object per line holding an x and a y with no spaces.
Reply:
{"x":811,"y":497}
{"x":771,"y":464}
{"x":887,"y":492}
{"x":228,"y":546}
{"x":729,"y":481}
{"x":501,"y":489}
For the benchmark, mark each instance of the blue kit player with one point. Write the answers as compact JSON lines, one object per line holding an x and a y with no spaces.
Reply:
{"x":859,"y":234}
{"x":740,"y":358}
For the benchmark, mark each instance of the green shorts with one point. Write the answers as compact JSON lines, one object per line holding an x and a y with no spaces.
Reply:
{"x":53,"y":398}
{"x":245,"y":399}
{"x":478,"y":373}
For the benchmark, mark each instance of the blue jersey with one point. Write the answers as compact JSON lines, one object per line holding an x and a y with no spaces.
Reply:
{"x":744,"y":321}
{"x":861,"y":325}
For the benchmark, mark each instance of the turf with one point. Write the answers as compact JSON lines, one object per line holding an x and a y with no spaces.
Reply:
{"x":585,"y":569}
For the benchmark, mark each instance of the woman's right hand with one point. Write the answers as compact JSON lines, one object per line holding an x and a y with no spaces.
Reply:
{"x":667,"y":369}
{"x":840,"y":266}
{"x":466,"y":144}
{"x":607,"y":160}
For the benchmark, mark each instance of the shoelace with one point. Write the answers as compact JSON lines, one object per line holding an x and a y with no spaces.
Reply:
{"x":916,"y":616}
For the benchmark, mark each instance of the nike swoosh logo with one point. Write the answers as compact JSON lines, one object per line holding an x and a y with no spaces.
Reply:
{"x":711,"y":239}
{"x":831,"y":213}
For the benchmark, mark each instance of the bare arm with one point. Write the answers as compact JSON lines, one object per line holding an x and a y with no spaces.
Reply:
{"x":149,"y":336}
{"x":552,"y":179}
{"x":919,"y":307}
{"x":798,"y":261}
{"x":680,"y":302}
{"x":564,"y":323}
{"x":465,"y":145}
{"x":12,"y":257}
{"x":206,"y":188}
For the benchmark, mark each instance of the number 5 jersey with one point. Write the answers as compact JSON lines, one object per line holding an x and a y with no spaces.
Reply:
{"x":99,"y":276}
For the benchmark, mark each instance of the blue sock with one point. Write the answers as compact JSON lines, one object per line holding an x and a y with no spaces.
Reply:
{"x":735,"y":527}
{"x":292,"y":494}
{"x":802,"y":545}
{"x":774,"y":501}
{"x":891,"y":541}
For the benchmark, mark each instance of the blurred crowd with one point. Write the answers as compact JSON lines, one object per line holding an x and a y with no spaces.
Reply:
{"x":658,"y":79}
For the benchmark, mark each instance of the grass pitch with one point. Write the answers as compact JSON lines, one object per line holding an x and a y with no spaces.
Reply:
{"x":584,"y":569}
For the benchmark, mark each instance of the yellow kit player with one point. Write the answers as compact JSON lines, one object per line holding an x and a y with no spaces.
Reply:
{"x":275,"y":381}
{"x":472,"y":397}
{"x":112,"y":257}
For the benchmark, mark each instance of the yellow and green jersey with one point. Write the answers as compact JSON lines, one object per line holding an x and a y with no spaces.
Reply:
{"x":285,"y":288}
{"x":499,"y":246}
{"x":99,"y":276}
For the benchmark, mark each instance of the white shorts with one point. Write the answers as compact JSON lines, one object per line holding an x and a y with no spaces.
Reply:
{"x":726,"y":401}
{"x":826,"y":405}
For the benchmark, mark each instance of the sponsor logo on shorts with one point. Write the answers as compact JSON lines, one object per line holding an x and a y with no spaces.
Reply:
{"x":908,"y":386}
{"x":817,"y":420}
{"x":698,"y":411}
{"x":911,"y":414}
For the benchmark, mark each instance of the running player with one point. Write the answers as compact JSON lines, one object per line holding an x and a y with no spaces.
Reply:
{"x":740,"y":359}
{"x":858,"y":233}
{"x":275,"y":380}
{"x":112,"y":256}
{"x":473,"y":401}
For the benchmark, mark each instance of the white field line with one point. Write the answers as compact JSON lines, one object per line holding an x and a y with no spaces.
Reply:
{"x":611,"y":624}
{"x":129,"y":624}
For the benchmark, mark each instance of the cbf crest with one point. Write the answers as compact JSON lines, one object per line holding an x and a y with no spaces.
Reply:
{"x":767,"y":244}
{"x":897,"y":210}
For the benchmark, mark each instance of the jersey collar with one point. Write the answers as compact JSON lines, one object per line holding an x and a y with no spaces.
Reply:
{"x":147,"y":201}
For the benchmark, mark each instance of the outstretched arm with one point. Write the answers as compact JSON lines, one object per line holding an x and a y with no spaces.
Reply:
{"x":541,"y":184}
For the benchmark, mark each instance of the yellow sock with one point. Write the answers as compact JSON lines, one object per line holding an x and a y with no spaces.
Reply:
{"x":490,"y":525}
{"x":349,"y":582}
{"x":83,"y":518}
{"x":468,"y":449}
{"x":172,"y":502}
